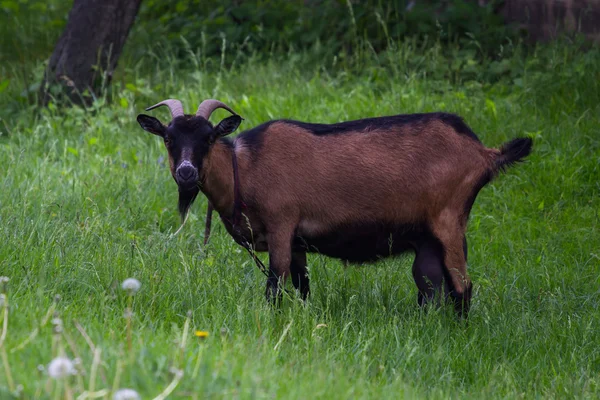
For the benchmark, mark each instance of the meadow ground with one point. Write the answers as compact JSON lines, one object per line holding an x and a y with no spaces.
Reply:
{"x":87,"y":201}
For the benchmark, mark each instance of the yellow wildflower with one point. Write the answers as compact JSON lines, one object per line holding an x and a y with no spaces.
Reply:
{"x":201,"y":334}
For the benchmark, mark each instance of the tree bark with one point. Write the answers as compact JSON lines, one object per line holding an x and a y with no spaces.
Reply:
{"x":87,"y":52}
{"x":546,"y":19}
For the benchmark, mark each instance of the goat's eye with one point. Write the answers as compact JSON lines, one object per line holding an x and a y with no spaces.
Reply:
{"x":167,"y":141}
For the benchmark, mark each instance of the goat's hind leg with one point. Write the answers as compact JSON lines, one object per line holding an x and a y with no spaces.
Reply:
{"x":429,"y":272}
{"x":452,"y":239}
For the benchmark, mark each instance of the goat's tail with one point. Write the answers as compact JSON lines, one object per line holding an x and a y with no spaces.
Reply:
{"x":512,"y":152}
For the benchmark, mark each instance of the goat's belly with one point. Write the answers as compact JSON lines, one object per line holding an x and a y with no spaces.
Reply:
{"x":362,"y":243}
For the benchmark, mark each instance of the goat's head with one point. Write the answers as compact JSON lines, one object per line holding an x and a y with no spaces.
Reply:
{"x":188,"y":139}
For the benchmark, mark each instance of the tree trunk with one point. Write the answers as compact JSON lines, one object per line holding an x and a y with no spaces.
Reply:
{"x":546,"y":19}
{"x":87,"y":52}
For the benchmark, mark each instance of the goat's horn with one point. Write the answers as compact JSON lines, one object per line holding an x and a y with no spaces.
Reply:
{"x":206,"y":108}
{"x":174,"y":105}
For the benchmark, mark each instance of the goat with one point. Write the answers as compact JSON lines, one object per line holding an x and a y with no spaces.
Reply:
{"x":357,"y":190}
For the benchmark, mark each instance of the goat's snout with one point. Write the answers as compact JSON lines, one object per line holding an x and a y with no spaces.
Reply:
{"x":186,"y":174}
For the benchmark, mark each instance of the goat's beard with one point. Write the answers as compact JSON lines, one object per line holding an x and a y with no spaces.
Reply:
{"x":186,"y":199}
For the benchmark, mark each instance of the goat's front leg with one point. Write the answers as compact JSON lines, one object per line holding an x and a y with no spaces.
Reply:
{"x":280,"y":257}
{"x":299,"y":273}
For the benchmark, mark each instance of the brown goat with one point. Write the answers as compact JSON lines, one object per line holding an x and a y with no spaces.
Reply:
{"x":358,"y":190}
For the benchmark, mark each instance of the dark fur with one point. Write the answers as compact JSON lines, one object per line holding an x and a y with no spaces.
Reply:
{"x":513,"y":152}
{"x":186,"y":199}
{"x":389,"y":122}
{"x":363,"y":243}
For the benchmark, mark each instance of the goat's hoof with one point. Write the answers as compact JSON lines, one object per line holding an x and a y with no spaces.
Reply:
{"x":273,"y":294}
{"x":462,"y":302}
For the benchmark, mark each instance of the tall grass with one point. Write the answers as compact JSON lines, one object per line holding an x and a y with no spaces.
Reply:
{"x":88,"y":202}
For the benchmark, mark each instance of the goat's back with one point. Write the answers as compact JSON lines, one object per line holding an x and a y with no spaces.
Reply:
{"x":378,"y":170}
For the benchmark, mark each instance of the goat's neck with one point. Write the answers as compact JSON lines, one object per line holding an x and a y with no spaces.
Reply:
{"x":218,"y":183}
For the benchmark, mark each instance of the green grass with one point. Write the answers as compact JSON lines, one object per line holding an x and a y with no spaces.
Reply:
{"x":87,"y":201}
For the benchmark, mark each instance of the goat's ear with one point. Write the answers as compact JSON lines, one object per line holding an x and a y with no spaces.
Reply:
{"x":151,"y":125}
{"x":227,"y":126}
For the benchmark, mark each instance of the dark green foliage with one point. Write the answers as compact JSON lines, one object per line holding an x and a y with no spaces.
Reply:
{"x":334,"y":26}
{"x":29,"y":28}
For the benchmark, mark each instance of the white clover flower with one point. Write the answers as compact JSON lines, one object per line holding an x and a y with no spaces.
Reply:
{"x":132,"y":285}
{"x":57,"y":325}
{"x":61,"y":367}
{"x":3,"y":283}
{"x":177,"y":372}
{"x":126,"y":394}
{"x":19,"y":390}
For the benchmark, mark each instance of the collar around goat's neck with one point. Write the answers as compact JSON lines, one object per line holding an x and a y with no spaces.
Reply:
{"x":238,"y":202}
